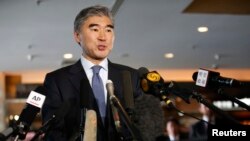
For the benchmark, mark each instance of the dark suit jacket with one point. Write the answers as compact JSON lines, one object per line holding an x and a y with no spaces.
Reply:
{"x":198,"y":131}
{"x":63,"y":85}
{"x":183,"y":137}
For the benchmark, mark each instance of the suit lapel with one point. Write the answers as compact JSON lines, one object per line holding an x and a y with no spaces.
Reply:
{"x":77,"y":74}
{"x":114,"y":74}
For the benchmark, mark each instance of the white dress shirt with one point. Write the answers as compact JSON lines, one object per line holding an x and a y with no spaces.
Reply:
{"x":87,"y":66}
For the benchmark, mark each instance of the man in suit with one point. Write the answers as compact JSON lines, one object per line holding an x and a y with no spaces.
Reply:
{"x":94,"y":32}
{"x":198,"y":131}
{"x":173,"y":131}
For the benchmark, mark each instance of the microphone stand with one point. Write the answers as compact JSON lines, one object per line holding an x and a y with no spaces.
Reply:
{"x":8,"y":132}
{"x":46,"y":126}
{"x":200,"y":99}
{"x":134,"y":132}
{"x":233,"y":99}
{"x":82,"y":124}
{"x":131,"y":113}
{"x":80,"y":134}
{"x":21,"y":131}
{"x":166,"y":103}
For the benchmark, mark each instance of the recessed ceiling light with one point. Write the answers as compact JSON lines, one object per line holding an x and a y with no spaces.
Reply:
{"x":169,"y":55}
{"x":30,"y":57}
{"x":202,"y":29}
{"x":68,"y":56}
{"x":216,"y":56}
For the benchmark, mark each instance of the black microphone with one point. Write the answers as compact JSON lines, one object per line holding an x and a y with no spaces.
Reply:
{"x":85,"y":90}
{"x":54,"y":119}
{"x":33,"y":105}
{"x":206,"y":78}
{"x":152,"y":83}
{"x":85,"y":99}
{"x":128,"y":92}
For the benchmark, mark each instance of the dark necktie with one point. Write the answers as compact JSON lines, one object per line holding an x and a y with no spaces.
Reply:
{"x":98,"y":90}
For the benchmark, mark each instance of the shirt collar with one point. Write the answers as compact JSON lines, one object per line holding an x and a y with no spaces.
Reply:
{"x":210,"y":120}
{"x":88,"y":65}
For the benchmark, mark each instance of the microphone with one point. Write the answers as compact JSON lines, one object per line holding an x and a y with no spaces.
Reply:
{"x":56,"y":117}
{"x":85,"y":90}
{"x":90,"y":129}
{"x":84,"y":103}
{"x":171,"y":88}
{"x":110,"y":89}
{"x":33,"y":105}
{"x":115,"y":101}
{"x":128,"y":92}
{"x":152,"y":83}
{"x":206,"y":78}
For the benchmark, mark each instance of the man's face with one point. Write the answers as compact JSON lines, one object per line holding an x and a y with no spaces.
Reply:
{"x":96,"y":38}
{"x":205,"y":110}
{"x":172,"y":128}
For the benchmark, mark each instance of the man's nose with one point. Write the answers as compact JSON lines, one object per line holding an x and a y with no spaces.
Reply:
{"x":102,"y":36}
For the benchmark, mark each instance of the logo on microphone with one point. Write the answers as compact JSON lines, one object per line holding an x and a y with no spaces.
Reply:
{"x":153,"y":76}
{"x":36,"y":99}
{"x":202,"y":78}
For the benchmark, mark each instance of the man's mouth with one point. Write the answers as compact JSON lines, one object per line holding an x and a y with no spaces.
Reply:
{"x":101,"y":47}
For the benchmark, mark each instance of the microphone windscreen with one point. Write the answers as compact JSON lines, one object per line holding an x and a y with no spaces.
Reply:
{"x":90,"y":129}
{"x":128,"y":90}
{"x":142,"y":71}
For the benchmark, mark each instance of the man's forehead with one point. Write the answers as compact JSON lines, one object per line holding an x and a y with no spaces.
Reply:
{"x":99,"y":21}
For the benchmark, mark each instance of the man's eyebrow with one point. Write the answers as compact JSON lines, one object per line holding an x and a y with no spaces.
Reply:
{"x":110,"y":26}
{"x":92,"y":25}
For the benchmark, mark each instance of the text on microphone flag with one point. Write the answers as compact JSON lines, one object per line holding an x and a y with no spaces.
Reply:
{"x":36,"y":99}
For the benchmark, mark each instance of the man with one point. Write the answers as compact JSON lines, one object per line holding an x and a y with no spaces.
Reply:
{"x":198,"y":130}
{"x":94,"y":32}
{"x":173,"y":131}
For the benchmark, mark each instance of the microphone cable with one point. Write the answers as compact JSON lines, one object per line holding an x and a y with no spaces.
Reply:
{"x":169,"y":104}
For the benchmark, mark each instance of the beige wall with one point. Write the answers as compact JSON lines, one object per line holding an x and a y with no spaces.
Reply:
{"x":2,"y":101}
{"x":33,"y":76}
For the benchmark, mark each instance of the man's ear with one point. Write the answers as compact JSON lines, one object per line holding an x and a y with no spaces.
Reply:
{"x":77,"y":37}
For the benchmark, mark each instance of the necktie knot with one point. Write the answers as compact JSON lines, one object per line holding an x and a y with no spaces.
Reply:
{"x":96,"y":69}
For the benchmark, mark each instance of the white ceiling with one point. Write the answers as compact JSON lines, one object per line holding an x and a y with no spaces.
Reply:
{"x":145,"y":30}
